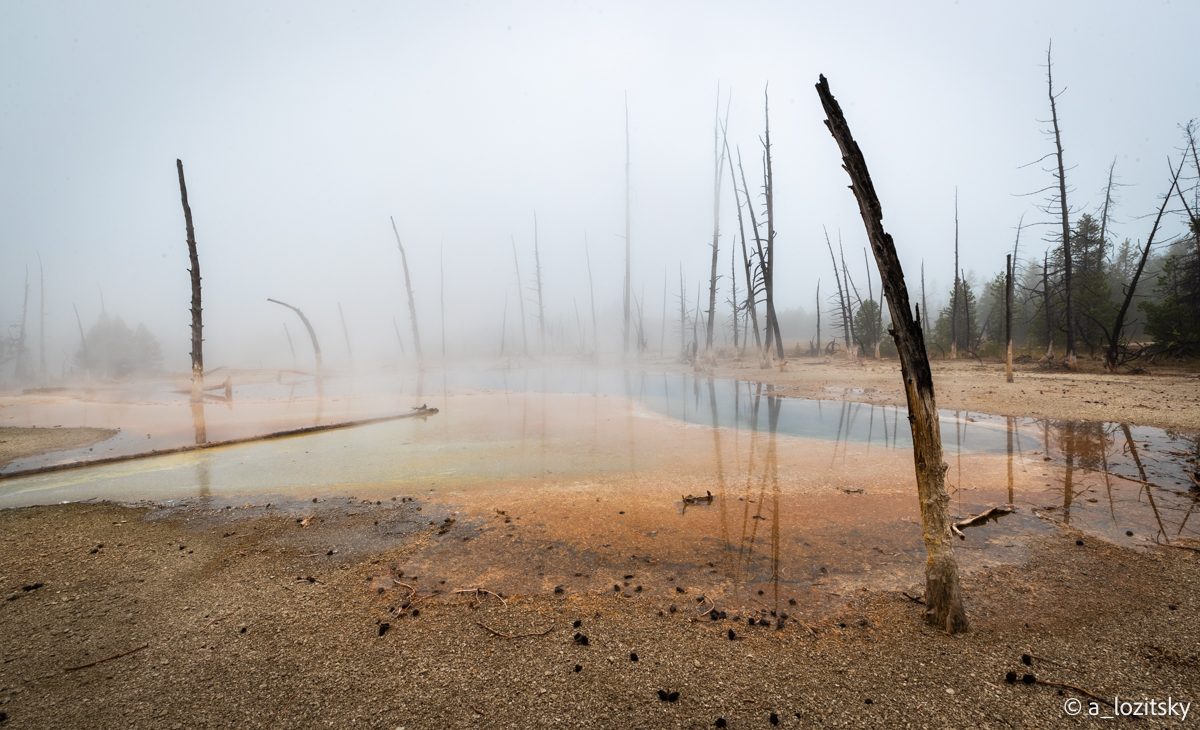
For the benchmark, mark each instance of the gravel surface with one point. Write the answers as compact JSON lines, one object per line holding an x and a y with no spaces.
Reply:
{"x":247,"y":621}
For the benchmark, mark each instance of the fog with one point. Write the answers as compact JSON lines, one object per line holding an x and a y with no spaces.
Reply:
{"x":303,"y":127}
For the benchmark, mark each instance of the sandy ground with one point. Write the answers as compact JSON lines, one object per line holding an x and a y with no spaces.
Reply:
{"x":1168,"y":399}
{"x":17,"y":442}
{"x":242,"y":620}
{"x":126,"y":617}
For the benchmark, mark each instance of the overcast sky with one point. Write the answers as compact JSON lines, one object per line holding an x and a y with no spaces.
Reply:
{"x":304,"y":126}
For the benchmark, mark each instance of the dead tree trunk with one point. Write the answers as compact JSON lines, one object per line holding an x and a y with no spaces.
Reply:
{"x":943,"y":599}
{"x":954,"y":304}
{"x":592,"y":295}
{"x":87,"y":362}
{"x":1008,"y":292}
{"x":1068,"y":282}
{"x":293,"y":347}
{"x":751,"y":297}
{"x":503,"y":324}
{"x":924,"y":306}
{"x":1112,"y":357}
{"x":682,"y":315}
{"x":849,"y":302}
{"x":42,"y":374}
{"x":197,"y":324}
{"x":21,"y":369}
{"x":1046,"y":307}
{"x":841,"y":298}
{"x":521,"y":301}
{"x":346,"y":334}
{"x":733,"y":300}
{"x":537,"y":274}
{"x":625,"y":331}
{"x":769,"y":262}
{"x":412,"y":307}
{"x":395,"y":326}
{"x":718,"y":163}
{"x":818,"y":353}
{"x":876,"y":330}
{"x":316,"y":345}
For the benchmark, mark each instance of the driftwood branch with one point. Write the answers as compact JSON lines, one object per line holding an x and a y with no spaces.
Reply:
{"x":514,"y":636}
{"x":995,"y":513}
{"x":106,"y":659}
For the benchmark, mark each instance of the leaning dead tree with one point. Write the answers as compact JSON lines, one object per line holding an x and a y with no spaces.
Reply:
{"x":843,"y":308}
{"x":412,"y":307}
{"x":768,"y":262}
{"x":346,"y":334}
{"x":1112,"y":356}
{"x":943,"y":598}
{"x":1010,"y":275}
{"x":520,"y":300}
{"x":316,"y":345}
{"x":87,"y":362}
{"x":751,"y":296}
{"x":197,"y":324}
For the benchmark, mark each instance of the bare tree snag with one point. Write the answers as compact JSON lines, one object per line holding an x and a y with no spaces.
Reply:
{"x":87,"y":362}
{"x":751,"y":296}
{"x":521,"y":301}
{"x":42,"y":374}
{"x":316,"y":345}
{"x":841,"y":298}
{"x":1008,"y":296}
{"x":1068,"y":279}
{"x":395,"y":326}
{"x":818,"y":317}
{"x":733,"y":299}
{"x":537,"y":275}
{"x":197,"y":324}
{"x":346,"y":334}
{"x":682,"y":315}
{"x":1046,"y":308}
{"x":625,"y":331}
{"x":954,"y":303}
{"x":944,"y":607}
{"x":769,"y":262}
{"x":412,"y":307}
{"x":718,"y":163}
{"x":1112,"y":356}
{"x":592,"y":295}
{"x":924,"y":304}
{"x":293,"y":347}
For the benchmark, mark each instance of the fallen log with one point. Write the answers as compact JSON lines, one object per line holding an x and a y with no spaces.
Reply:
{"x":995,"y":513}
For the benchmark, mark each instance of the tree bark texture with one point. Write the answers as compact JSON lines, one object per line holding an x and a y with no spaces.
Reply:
{"x":197,"y":322}
{"x":943,"y":598}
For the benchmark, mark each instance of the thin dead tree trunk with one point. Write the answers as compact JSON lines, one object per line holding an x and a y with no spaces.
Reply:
{"x":521,"y":300}
{"x":625,"y":331}
{"x":21,"y":369}
{"x":763,"y":264}
{"x":87,"y":362}
{"x":751,"y":302}
{"x":1112,"y":356}
{"x":1104,"y":214}
{"x":733,"y":300}
{"x":954,"y":304}
{"x":42,"y":374}
{"x":592,"y":295}
{"x":346,"y":334}
{"x":1008,"y":292}
{"x":579,"y":325}
{"x":394,"y":326}
{"x":1046,"y":307}
{"x":682,"y":314}
{"x":662,"y":340}
{"x":841,"y":297}
{"x":1068,"y":281}
{"x":769,"y":263}
{"x":849,"y":302}
{"x":197,"y":324}
{"x":876,"y":333}
{"x":537,"y":273}
{"x":924,"y":313}
{"x":293,"y":347}
{"x":967,"y":311}
{"x":943,"y":598}
{"x":818,"y":317}
{"x":718,"y":163}
{"x":412,"y":307}
{"x":316,"y":345}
